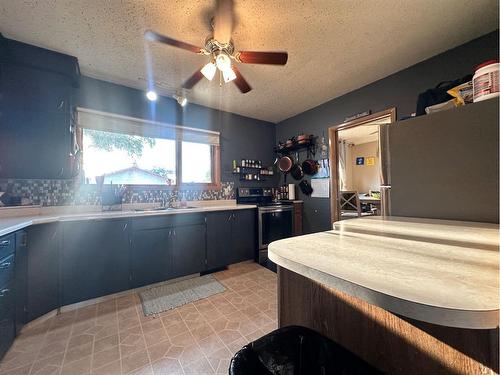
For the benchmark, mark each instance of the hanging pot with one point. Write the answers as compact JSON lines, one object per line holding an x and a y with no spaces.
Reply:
{"x":310,"y":166}
{"x":285,"y":163}
{"x":302,"y":138}
{"x":296,"y":171}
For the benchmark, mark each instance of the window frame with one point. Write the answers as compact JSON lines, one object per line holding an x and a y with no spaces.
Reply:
{"x":215,"y":169}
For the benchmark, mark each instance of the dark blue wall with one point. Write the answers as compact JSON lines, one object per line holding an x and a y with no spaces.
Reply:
{"x":241,"y":137}
{"x":399,"y":90}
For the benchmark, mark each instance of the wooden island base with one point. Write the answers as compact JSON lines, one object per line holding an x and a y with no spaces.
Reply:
{"x":393,"y":344}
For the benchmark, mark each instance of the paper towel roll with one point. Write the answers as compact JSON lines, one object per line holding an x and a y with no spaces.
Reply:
{"x":291,"y":192}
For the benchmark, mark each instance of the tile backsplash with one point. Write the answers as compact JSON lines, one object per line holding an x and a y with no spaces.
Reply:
{"x":70,"y":192}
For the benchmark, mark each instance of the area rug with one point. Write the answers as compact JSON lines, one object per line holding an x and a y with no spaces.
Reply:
{"x":170,"y":296}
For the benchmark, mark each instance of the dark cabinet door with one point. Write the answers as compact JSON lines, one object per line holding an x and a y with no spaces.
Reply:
{"x":25,"y":88}
{"x":150,"y":256}
{"x":34,"y":144}
{"x":188,"y":250}
{"x":21,"y":279}
{"x":243,"y":239}
{"x":7,"y":317}
{"x":43,"y":270}
{"x":218,"y":239}
{"x":94,"y":259}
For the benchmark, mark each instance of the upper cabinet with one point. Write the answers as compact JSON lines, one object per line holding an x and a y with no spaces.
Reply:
{"x":36,"y":130}
{"x":26,"y":88}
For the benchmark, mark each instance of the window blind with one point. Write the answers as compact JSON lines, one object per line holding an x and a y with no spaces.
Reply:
{"x":114,"y":123}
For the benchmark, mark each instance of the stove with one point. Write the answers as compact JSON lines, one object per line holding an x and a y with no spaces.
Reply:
{"x":275,"y":218}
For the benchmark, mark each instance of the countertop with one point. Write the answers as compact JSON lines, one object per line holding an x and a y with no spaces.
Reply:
{"x":10,"y":222}
{"x":437,"y":271}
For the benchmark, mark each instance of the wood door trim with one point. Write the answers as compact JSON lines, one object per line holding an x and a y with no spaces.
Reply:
{"x":333,"y":159}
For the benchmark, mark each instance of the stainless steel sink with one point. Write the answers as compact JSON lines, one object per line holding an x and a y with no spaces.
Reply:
{"x":162,"y":209}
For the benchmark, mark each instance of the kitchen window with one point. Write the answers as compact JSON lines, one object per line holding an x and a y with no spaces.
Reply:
{"x":128,"y":151}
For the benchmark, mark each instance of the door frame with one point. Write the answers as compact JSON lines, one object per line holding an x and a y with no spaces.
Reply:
{"x":334,"y":155}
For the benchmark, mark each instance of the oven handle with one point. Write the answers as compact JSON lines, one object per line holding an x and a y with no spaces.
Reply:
{"x":272,"y":209}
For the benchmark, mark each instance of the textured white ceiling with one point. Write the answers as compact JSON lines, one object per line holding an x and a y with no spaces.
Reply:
{"x":334,"y":46}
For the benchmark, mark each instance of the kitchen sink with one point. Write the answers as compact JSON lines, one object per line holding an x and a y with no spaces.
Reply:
{"x":162,"y":209}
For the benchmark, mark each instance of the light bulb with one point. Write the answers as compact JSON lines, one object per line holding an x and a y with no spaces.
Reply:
{"x":152,"y":96}
{"x":228,"y":75}
{"x":181,"y":100}
{"x":209,"y":71}
{"x":223,"y":62}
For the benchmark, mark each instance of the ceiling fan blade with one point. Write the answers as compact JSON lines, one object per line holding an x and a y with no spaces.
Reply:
{"x":223,"y":20}
{"x":241,"y":82}
{"x":193,"y":80}
{"x":153,"y":36}
{"x":273,"y":58}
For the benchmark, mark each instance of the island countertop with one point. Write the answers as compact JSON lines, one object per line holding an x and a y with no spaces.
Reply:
{"x":436,"y":271}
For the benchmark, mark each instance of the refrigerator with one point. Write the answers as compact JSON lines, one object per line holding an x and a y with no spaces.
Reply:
{"x":443,"y":165}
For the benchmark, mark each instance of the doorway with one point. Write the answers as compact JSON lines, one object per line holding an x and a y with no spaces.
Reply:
{"x":359,"y":165}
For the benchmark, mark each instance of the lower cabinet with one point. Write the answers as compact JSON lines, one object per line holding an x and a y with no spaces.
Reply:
{"x":7,"y":295}
{"x":218,"y":239}
{"x":243,"y":235}
{"x":94,"y":259}
{"x":188,"y":249}
{"x":165,"y":249}
{"x":7,"y":314}
{"x":231,"y":237}
{"x":21,"y":279}
{"x":150,"y":260}
{"x":42,"y":279}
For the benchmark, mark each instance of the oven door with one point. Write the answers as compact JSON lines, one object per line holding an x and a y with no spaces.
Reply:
{"x":275,"y":223}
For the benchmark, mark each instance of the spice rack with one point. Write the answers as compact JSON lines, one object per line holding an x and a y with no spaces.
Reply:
{"x":252,"y":170}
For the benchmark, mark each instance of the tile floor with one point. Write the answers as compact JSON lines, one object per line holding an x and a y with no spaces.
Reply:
{"x":114,"y":337}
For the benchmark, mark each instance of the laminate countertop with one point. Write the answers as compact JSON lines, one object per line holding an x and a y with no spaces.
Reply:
{"x":437,"y":271}
{"x":11,"y":223}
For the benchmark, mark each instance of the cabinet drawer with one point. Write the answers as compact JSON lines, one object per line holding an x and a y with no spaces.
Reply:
{"x":6,"y":269}
{"x":187,"y":219}
{"x":7,"y":245}
{"x":166,"y":221}
{"x":156,"y":222}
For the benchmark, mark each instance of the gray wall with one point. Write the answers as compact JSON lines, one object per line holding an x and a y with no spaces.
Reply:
{"x":399,"y":90}
{"x":241,"y":137}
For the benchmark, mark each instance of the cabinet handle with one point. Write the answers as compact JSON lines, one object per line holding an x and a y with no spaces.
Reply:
{"x":5,"y":265}
{"x":3,"y":292}
{"x":174,"y":233}
{"x":125,"y":227}
{"x":234,"y":216}
{"x":61,"y":172}
{"x":5,"y":243}
{"x":170,"y":233}
{"x":229,"y":218}
{"x":61,"y":105}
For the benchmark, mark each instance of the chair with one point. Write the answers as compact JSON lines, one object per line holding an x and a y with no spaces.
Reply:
{"x":350,"y":206}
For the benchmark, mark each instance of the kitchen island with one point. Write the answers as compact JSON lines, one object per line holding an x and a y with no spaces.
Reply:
{"x":407,"y":295}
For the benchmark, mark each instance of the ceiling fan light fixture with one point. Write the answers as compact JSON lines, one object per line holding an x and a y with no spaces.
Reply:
{"x":209,"y":71}
{"x":181,"y":100}
{"x":223,"y":62}
{"x":228,"y":75}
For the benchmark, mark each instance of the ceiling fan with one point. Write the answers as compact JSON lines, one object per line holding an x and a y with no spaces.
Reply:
{"x":221,"y":52}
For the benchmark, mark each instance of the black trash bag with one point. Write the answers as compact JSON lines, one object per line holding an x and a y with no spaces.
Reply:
{"x":438,"y":94}
{"x":297,"y":350}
